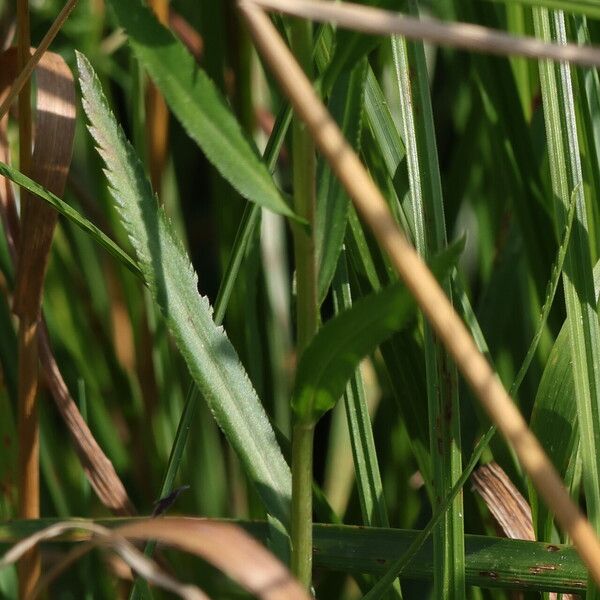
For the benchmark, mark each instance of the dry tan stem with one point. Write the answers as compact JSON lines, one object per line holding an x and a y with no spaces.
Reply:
{"x":29,"y":446}
{"x":52,"y":154}
{"x":30,"y":64}
{"x":430,"y":297}
{"x":460,"y":35}
{"x":30,"y":567}
{"x":157,"y":115}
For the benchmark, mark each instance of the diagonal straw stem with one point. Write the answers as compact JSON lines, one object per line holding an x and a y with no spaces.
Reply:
{"x":431,"y":299}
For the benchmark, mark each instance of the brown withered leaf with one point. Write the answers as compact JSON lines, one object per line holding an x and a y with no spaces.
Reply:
{"x":507,"y":505}
{"x":55,"y":121}
{"x":54,"y":133}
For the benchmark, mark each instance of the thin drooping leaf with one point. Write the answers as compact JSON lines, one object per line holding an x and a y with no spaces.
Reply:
{"x":70,"y":213}
{"x":334,"y":353}
{"x":210,"y":357}
{"x":196,"y":102}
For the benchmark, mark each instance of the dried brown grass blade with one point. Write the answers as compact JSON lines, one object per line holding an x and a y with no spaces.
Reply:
{"x":224,"y":545}
{"x":145,"y":566}
{"x":371,"y":205}
{"x":227,"y":547}
{"x":54,"y":133}
{"x":99,"y":470}
{"x":504,"y":501}
{"x":97,"y":466}
{"x":459,"y":35}
{"x":29,"y":67}
{"x":506,"y":504}
{"x":157,"y":115}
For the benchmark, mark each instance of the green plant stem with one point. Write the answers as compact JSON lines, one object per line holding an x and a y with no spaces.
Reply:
{"x":578,"y":283}
{"x":304,"y":175}
{"x":442,"y":377}
{"x":302,"y":462}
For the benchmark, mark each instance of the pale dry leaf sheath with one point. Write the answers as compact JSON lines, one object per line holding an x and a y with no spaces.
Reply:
{"x":35,"y":58}
{"x":459,"y":35}
{"x":504,"y":501}
{"x":431,"y":299}
{"x":103,"y":537}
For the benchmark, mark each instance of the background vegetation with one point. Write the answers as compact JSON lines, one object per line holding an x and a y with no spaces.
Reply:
{"x":497,"y":156}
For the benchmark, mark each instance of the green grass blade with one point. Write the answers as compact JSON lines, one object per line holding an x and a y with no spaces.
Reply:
{"x":362,"y":441}
{"x":589,"y":8}
{"x":491,"y":562}
{"x":210,"y":357}
{"x":330,"y":359}
{"x":197,"y":103}
{"x":578,"y":283}
{"x":441,"y":373}
{"x":70,"y":213}
{"x":346,"y":106}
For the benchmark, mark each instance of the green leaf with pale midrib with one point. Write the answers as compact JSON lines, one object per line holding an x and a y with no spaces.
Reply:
{"x":206,"y":349}
{"x":199,"y":106}
{"x":334,"y":353}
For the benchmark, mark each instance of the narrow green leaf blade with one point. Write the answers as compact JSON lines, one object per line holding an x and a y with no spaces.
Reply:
{"x":346,"y":106}
{"x":197,"y":103}
{"x":334,"y":353}
{"x":70,"y":213}
{"x":210,"y":357}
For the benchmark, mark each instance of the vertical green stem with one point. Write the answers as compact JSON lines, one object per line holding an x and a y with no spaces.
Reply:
{"x":442,"y":378}
{"x":578,"y":282}
{"x":302,"y":476}
{"x":304,"y":169}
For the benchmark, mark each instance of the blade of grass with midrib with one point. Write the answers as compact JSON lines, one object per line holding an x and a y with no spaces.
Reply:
{"x":441,"y":374}
{"x":578,"y":283}
{"x":197,"y":103}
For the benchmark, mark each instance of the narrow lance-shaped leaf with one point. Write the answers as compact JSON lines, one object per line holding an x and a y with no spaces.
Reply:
{"x":335,"y":352}
{"x":197,"y":103}
{"x":346,"y":106}
{"x":209,"y":355}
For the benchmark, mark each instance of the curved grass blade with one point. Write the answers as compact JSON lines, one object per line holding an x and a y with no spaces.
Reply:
{"x":197,"y":103}
{"x":70,"y":213}
{"x":210,"y":357}
{"x":334,"y":353}
{"x":494,"y":563}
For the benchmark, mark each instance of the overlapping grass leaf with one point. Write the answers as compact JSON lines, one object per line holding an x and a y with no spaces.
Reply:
{"x":210,"y":357}
{"x":334,"y":353}
{"x":198,"y":104}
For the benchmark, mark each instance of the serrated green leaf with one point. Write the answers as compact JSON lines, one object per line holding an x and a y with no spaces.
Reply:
{"x":334,"y":353}
{"x":210,"y":357}
{"x":199,"y":106}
